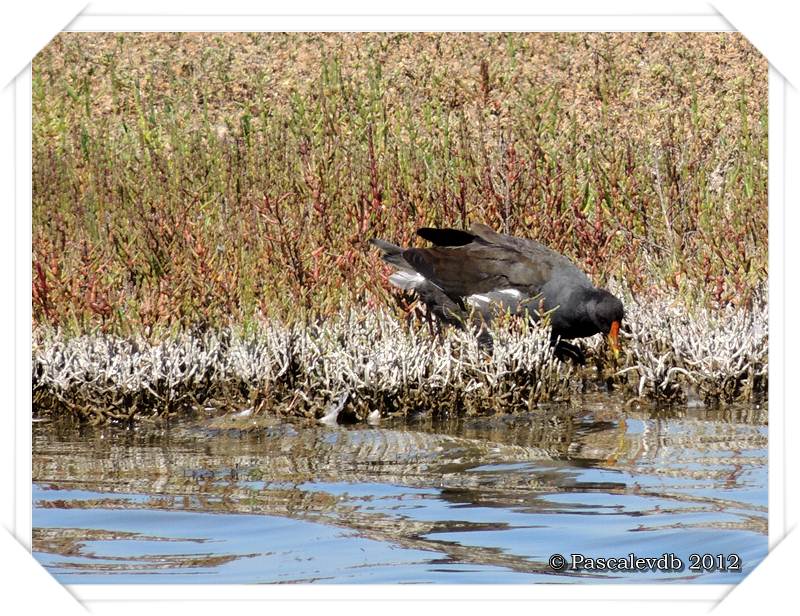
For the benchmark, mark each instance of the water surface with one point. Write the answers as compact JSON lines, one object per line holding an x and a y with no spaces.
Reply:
{"x":240,"y":499}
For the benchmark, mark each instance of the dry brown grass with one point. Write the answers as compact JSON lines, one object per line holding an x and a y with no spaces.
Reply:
{"x":207,"y":180}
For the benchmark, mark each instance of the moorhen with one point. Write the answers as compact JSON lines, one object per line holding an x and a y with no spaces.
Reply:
{"x":482,"y":272}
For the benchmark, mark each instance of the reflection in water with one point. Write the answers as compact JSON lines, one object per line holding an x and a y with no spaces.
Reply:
{"x":474,"y":500}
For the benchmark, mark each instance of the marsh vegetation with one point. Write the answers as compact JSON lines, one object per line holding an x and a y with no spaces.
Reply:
{"x":194,"y":188}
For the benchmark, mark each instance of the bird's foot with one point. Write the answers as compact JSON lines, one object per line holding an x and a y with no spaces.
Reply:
{"x":565,"y":350}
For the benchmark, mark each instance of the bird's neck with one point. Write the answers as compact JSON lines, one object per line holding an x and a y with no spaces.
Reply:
{"x":574,"y":315}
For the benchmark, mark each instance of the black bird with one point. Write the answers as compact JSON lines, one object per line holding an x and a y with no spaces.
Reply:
{"x":485,"y":271}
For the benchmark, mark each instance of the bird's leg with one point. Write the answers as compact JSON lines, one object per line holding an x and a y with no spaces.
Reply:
{"x":429,"y":320}
{"x":485,"y":340}
{"x":440,"y":325}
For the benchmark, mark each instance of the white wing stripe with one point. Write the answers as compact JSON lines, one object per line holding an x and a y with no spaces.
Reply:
{"x":406,"y":280}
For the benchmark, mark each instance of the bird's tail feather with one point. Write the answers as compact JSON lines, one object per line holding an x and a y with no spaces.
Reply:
{"x":387,"y":248}
{"x":392,"y":254}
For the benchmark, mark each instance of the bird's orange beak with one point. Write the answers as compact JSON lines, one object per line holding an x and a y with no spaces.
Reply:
{"x":612,"y":338}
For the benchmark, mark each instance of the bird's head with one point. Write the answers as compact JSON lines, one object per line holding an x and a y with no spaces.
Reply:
{"x":606,"y":312}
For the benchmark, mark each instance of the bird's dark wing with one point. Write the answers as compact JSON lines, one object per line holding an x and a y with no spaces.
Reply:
{"x":480,"y":234}
{"x":446,"y":237}
{"x":479,"y":268}
{"x":536,"y":252}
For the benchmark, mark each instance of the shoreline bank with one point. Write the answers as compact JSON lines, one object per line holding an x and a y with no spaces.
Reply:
{"x":372,"y":361}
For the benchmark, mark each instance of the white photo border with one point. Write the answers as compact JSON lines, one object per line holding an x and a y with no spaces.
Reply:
{"x":661,"y":21}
